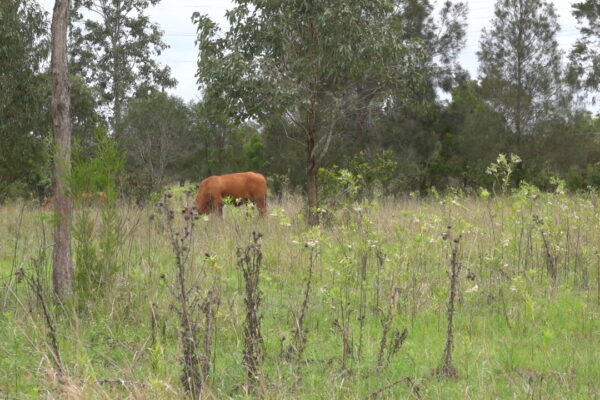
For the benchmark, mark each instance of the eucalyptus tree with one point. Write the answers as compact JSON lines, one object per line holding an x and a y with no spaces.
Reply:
{"x":63,"y":273}
{"x":114,"y":47}
{"x":411,"y":129}
{"x":443,"y":35}
{"x":521,"y":64}
{"x":585,"y":55}
{"x":24,"y":97}
{"x":155,"y":132}
{"x":295,"y":58}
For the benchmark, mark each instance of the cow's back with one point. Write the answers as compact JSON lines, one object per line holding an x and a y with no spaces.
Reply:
{"x":242,"y":186}
{"x":245,"y":185}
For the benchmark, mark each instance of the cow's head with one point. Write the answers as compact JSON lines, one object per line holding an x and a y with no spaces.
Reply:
{"x":191,"y":212}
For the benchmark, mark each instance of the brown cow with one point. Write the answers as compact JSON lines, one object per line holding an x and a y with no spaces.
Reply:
{"x":242,"y":187}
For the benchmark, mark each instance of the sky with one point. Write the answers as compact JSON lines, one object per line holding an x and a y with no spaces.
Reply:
{"x":174,"y":18}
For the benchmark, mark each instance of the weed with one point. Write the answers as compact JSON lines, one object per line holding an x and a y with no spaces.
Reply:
{"x":387,"y":345}
{"x":300,"y":333}
{"x":34,"y":280}
{"x":196,"y":364}
{"x":447,"y":369}
{"x":250,"y":263}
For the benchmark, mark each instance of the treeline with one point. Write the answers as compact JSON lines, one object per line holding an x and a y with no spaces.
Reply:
{"x":309,"y":93}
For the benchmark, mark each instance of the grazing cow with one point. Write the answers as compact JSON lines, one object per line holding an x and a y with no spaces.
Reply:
{"x":241,"y":187}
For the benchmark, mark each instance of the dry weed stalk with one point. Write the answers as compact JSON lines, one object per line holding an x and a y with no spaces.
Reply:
{"x":551,"y":260}
{"x":195,"y":363}
{"x":390,"y":346}
{"x":408,"y":380}
{"x":14,"y":263}
{"x":34,"y":281}
{"x":250,"y":263}
{"x":362,"y":306}
{"x":300,"y":336}
{"x":343,"y":325}
{"x":381,"y":258}
{"x":446,"y":368}
{"x":209,"y":308}
{"x":153,"y":323}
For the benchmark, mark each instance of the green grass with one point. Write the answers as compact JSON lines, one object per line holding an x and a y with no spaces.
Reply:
{"x":518,"y":334}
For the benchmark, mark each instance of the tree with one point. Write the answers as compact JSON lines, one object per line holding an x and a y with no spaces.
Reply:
{"x":24,"y":97}
{"x":85,"y":120}
{"x":114,"y":52}
{"x":156,"y":135}
{"x":472,"y":136}
{"x":61,"y":115}
{"x":521,"y":64}
{"x":585,"y":55}
{"x":295,"y":59}
{"x":443,"y":37}
{"x":405,"y":121}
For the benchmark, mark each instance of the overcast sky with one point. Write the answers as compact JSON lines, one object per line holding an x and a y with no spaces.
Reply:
{"x":174,"y":17}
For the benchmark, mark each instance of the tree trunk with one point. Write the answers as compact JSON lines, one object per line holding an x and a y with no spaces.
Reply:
{"x":62,"y":276}
{"x":520,"y":85}
{"x":365,"y":94}
{"x":311,"y":173}
{"x":117,"y":71}
{"x":312,"y":161}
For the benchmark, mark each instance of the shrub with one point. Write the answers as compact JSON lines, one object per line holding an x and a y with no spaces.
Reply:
{"x":94,"y":183}
{"x":575,"y":179}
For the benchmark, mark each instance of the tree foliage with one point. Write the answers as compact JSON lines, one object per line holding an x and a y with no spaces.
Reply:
{"x":114,"y":47}
{"x":521,"y":64}
{"x":24,"y":97}
{"x":585,"y":55}
{"x":443,"y":37}
{"x":156,"y":136}
{"x":408,"y":124}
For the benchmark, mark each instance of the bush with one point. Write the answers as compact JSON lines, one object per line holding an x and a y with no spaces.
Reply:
{"x":593,"y":175}
{"x":575,"y":179}
{"x":94,"y":186}
{"x":362,"y":179}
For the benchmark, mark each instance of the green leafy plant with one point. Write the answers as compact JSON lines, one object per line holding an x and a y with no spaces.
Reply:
{"x":98,"y":231}
{"x":502,"y":171}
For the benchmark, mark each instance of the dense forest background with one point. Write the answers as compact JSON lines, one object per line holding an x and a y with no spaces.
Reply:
{"x":358,"y":96}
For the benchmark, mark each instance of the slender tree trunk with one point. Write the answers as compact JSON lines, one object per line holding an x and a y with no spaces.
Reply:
{"x":61,"y":121}
{"x":519,"y":105}
{"x":311,"y":130}
{"x":311,"y":173}
{"x":117,"y":69}
{"x":365,"y":95}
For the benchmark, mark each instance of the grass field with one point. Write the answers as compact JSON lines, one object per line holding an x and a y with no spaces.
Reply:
{"x":526,"y":325}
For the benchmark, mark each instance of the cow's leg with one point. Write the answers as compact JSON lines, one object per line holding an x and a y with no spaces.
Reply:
{"x":217,"y":206}
{"x":203,"y":204}
{"x":261,"y":203}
